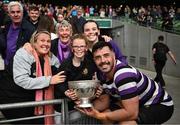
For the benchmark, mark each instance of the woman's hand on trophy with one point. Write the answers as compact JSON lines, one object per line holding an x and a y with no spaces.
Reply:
{"x":71,"y":94}
{"x":77,"y":102}
{"x":99,"y":91}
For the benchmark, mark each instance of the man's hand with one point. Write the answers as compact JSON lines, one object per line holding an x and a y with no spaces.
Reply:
{"x":92,"y":112}
{"x":99,"y":91}
{"x":154,"y":62}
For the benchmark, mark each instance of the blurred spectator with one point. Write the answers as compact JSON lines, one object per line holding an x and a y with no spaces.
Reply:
{"x":149,"y":19}
{"x":74,"y":11}
{"x":114,"y":14}
{"x":141,"y":18}
{"x":60,"y":18}
{"x":78,"y":21}
{"x":46,"y":23}
{"x":172,"y":12}
{"x":33,"y":15}
{"x":87,"y":11}
{"x":4,"y":17}
{"x":167,"y":24}
{"x":102,"y":12}
{"x":154,"y":15}
{"x":110,"y":11}
{"x":134,"y":13}
{"x":91,"y":11}
{"x":51,"y":9}
{"x":127,"y":12}
{"x":96,"y":10}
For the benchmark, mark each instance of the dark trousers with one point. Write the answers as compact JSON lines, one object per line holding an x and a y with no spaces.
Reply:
{"x":152,"y":115}
{"x":11,"y":93}
{"x":155,"y":114}
{"x":159,"y":67}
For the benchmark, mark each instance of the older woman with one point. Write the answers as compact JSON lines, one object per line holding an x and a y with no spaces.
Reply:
{"x":33,"y":73}
{"x":60,"y":46}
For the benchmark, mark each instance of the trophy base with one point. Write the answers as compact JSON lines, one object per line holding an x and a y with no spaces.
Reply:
{"x":85,"y":105}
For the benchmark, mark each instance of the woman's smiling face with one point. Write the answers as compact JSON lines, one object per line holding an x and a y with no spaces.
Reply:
{"x":91,"y":31}
{"x":65,"y":33}
{"x":43,"y":44}
{"x":79,"y":48}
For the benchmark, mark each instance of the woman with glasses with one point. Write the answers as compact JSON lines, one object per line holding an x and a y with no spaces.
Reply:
{"x":77,"y":67}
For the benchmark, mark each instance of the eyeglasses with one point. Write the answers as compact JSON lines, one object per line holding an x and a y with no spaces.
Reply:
{"x":79,"y":47}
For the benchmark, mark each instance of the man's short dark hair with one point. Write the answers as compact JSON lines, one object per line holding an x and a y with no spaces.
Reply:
{"x":100,"y":45}
{"x":34,"y":8}
{"x":161,"y":38}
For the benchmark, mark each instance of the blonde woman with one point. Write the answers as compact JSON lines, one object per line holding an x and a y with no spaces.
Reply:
{"x":33,"y":73}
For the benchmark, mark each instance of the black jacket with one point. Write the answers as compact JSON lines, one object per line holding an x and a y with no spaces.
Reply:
{"x":26,"y":30}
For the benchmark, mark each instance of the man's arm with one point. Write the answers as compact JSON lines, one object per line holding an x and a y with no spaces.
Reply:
{"x":128,"y":112}
{"x":153,"y":52}
{"x":172,"y":57}
{"x":102,"y":103}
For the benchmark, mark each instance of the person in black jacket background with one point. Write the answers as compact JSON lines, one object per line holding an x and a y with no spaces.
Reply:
{"x":159,"y":57}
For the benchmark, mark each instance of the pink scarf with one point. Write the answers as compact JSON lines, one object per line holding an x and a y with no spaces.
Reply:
{"x":47,"y":93}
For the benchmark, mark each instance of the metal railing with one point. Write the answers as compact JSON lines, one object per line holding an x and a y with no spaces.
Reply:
{"x":64,"y":109}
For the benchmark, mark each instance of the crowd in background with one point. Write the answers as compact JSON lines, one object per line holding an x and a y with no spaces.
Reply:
{"x":144,"y":15}
{"x":28,"y":35}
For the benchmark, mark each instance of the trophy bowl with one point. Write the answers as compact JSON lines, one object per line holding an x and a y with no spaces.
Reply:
{"x":85,"y":91}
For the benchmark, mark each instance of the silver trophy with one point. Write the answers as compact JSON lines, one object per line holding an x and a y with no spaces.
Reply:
{"x":85,"y":91}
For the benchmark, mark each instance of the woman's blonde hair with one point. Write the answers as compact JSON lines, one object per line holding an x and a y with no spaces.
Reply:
{"x":35,"y":35}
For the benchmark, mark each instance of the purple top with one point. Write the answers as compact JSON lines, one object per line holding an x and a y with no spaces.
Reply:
{"x":63,"y":51}
{"x":11,"y":43}
{"x":118,"y":52}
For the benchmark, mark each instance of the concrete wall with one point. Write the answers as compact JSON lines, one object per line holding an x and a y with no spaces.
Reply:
{"x":136,"y":43}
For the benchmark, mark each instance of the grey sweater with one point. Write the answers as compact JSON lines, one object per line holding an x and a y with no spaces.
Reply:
{"x":22,"y":70}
